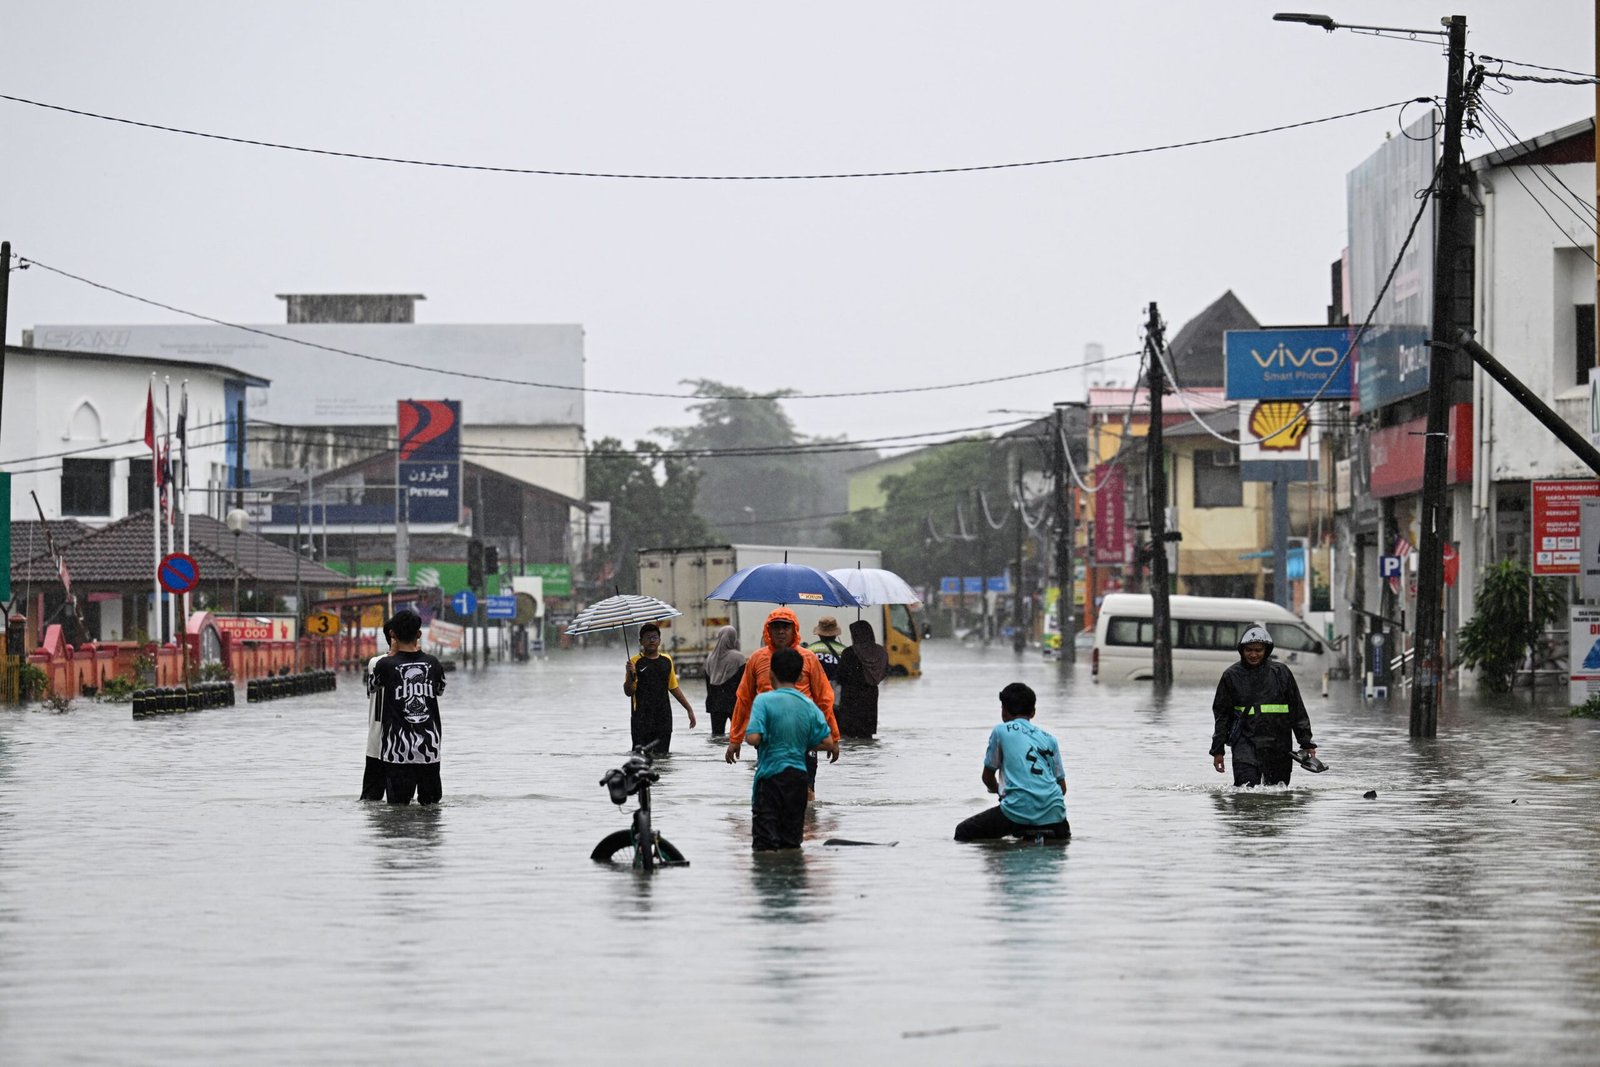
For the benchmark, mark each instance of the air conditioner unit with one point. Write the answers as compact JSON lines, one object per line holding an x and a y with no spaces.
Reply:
{"x":1221,"y":458}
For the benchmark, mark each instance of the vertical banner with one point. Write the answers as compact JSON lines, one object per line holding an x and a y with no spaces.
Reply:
{"x":429,"y":460}
{"x":1110,"y":516}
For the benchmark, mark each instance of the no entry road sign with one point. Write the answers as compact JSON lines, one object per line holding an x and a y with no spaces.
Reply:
{"x":178,"y":573}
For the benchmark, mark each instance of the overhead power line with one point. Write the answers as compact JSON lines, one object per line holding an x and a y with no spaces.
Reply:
{"x":782,"y":394}
{"x":548,"y":172}
{"x":554,"y":173}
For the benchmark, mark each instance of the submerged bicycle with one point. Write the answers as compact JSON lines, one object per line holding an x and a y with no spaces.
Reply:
{"x":650,"y":849}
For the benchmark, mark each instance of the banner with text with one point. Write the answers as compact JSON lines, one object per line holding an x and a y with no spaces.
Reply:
{"x":1558,"y":525}
{"x":1110,"y":516}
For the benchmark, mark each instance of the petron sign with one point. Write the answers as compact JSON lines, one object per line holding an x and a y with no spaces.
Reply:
{"x":1310,"y":363}
{"x":429,"y":463}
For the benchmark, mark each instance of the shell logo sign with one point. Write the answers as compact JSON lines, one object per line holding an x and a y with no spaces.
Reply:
{"x":1279,"y":424}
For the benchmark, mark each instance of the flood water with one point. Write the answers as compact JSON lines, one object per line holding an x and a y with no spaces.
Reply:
{"x":205,"y":888}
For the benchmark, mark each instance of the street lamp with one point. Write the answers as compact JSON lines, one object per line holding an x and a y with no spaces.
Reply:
{"x":1428,"y":662}
{"x":238,"y":521}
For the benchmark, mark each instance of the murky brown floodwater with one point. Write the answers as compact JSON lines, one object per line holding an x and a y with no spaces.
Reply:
{"x":206,"y":889}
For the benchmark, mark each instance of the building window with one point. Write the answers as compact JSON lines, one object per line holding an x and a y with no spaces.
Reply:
{"x":140,"y":479}
{"x":1583,"y":341}
{"x":1216,"y":479}
{"x":86,"y":487}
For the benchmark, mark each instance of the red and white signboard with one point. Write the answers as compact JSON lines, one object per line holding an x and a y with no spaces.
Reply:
{"x":1558,"y":525}
{"x":256,"y":628}
{"x":1110,"y":520}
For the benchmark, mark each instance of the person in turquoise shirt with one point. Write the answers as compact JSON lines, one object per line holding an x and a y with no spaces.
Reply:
{"x":1023,"y":765}
{"x":784,"y":725}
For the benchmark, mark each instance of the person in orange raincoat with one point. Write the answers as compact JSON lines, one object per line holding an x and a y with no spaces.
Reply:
{"x":782,"y":630}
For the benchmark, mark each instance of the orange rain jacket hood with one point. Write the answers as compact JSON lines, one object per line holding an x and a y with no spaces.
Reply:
{"x":757,"y":678}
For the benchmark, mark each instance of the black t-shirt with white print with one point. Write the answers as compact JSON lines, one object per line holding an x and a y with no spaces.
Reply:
{"x":408,"y":685}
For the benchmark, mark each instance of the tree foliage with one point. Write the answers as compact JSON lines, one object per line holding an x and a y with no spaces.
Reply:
{"x":1513,"y":609}
{"x":774,"y":493}
{"x":652,"y":506}
{"x":932,"y":523}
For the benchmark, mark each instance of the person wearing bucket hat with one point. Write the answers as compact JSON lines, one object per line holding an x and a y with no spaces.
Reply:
{"x":1256,"y":712}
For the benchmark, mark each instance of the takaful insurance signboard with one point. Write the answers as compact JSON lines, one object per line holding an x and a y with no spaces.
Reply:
{"x":1558,"y":525}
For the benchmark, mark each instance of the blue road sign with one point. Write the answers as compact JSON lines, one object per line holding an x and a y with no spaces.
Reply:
{"x":464,"y":602}
{"x":1389,"y":566}
{"x":500,"y":607}
{"x":950,"y":585}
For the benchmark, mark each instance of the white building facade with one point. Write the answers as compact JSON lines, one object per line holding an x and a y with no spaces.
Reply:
{"x":73,"y":432}
{"x":1535,"y":312}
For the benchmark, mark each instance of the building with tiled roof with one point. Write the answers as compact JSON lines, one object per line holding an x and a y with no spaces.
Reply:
{"x":113,"y":573}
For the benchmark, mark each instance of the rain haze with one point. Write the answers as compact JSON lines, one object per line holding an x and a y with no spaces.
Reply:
{"x":853,"y":284}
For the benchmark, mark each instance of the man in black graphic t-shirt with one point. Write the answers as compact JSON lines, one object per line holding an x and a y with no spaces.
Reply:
{"x":408,"y":683}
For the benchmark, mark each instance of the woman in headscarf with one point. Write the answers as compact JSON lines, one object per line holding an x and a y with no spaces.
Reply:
{"x":724,"y":668}
{"x":863,"y":665}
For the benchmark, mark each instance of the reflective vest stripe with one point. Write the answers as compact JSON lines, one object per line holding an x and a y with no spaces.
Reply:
{"x":1265,"y":709}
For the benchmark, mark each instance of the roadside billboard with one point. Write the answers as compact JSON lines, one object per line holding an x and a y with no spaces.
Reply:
{"x":1302,"y":363}
{"x":428,"y":459}
{"x":1381,"y":200}
{"x":1558,"y":525}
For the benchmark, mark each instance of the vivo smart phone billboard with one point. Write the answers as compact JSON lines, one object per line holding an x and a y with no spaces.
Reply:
{"x":1292,"y":364}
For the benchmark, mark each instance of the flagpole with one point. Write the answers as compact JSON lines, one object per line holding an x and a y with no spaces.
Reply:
{"x":155,"y":511}
{"x":172,"y":541}
{"x":183,"y":502}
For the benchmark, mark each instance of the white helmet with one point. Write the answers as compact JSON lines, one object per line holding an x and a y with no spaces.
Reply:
{"x":1256,"y":634}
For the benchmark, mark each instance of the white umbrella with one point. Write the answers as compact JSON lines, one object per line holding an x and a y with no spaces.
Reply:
{"x":616,"y":612}
{"x":873,"y":586}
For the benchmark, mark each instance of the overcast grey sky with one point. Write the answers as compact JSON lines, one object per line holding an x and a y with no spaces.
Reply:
{"x":818,"y":285}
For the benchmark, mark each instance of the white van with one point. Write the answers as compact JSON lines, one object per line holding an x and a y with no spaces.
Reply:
{"x":1205,"y":638}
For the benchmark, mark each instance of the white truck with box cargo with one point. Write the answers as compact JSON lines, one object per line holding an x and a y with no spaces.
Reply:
{"x":684,"y":576}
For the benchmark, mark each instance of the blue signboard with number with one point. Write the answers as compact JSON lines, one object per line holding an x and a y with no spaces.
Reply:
{"x":500,"y":607}
{"x":1296,"y":364}
{"x":464,"y":602}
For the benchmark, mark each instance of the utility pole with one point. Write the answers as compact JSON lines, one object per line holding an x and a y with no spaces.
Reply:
{"x":981,"y":517}
{"x":1019,"y":637}
{"x":1428,"y":666}
{"x":5,"y":303}
{"x":1063,"y":546}
{"x":1160,"y":606}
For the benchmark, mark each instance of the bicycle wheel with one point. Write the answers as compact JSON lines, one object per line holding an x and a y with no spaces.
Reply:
{"x":644,"y":857}
{"x":669,"y":854}
{"x":612,"y":844}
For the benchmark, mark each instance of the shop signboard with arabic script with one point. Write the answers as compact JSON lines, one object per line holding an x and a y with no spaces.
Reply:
{"x":429,"y":463}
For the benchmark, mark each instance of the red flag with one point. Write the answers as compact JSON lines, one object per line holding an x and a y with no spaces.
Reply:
{"x":150,"y":432}
{"x":66,"y":579}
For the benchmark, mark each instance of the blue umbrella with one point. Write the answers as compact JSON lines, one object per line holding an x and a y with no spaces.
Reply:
{"x":785,"y":583}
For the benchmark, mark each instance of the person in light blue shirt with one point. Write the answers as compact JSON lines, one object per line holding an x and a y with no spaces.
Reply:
{"x":784,"y":725}
{"x":1023,"y":765}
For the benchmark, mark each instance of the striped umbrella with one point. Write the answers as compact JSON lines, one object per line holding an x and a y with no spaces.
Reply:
{"x":616,"y":612}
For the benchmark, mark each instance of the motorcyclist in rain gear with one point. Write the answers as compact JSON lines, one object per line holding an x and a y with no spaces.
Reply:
{"x":1258,"y":713}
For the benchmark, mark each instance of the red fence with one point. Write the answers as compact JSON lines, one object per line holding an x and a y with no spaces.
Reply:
{"x":69,"y":669}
